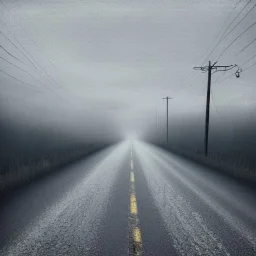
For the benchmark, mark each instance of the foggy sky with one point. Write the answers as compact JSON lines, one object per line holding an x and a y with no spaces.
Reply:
{"x":113,"y":61}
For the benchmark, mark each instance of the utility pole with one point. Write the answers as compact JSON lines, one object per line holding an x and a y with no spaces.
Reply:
{"x":156,"y":120}
{"x":209,"y":68}
{"x":167,"y":115}
{"x":156,"y":123}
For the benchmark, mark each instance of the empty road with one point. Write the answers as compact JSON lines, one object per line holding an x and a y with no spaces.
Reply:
{"x":130,"y":199}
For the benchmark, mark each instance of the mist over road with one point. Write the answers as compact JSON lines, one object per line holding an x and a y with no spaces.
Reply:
{"x":128,"y":197}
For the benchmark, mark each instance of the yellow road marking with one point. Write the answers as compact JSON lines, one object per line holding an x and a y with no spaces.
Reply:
{"x":131,"y":164}
{"x":133,"y":204}
{"x":137,"y":235}
{"x":136,"y":241}
{"x":132,"y":177}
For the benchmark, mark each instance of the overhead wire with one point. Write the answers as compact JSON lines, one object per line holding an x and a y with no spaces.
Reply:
{"x":238,"y":23}
{"x":13,"y":64}
{"x":224,"y":35}
{"x":30,"y":76}
{"x":15,"y":78}
{"x":215,"y":105}
{"x":232,"y":22}
{"x":48,"y":75}
{"x":183,"y":83}
{"x":249,"y":59}
{"x":33,"y":62}
{"x":215,"y":38}
{"x":26,"y":83}
{"x":252,"y":65}
{"x":33,"y":42}
{"x":216,"y":45}
{"x":248,"y":45}
{"x":186,"y":78}
{"x":17,"y":66}
{"x":39,"y":66}
{"x":225,"y":78}
{"x":240,"y":35}
{"x":25,"y":71}
{"x":22,"y":54}
{"x":4,"y":49}
{"x":17,"y":48}
{"x":249,"y":67}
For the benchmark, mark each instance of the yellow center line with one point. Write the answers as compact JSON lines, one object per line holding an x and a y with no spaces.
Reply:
{"x":133,"y":204}
{"x":136,"y":241}
{"x":131,"y":164}
{"x":137,"y":235}
{"x":132,"y":177}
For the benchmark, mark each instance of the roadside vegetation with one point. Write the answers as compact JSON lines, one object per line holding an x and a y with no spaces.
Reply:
{"x":28,"y":152}
{"x":239,"y":165}
{"x":21,"y":171}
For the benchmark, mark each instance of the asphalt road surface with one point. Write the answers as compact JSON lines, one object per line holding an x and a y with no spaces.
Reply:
{"x":130,"y":199}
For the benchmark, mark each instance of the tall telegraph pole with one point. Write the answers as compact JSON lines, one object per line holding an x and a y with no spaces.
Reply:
{"x":167,"y":116}
{"x":209,"y":68}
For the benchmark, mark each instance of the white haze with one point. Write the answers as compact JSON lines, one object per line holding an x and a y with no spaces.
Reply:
{"x":113,"y":61}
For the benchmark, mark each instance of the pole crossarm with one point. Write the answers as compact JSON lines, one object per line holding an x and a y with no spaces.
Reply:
{"x":219,"y":68}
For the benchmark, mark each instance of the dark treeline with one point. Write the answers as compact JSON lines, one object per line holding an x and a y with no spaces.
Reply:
{"x":30,"y":150}
{"x":232,"y":141}
{"x":41,"y":131}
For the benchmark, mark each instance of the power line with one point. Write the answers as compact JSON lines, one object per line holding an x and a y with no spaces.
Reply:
{"x":18,"y":49}
{"x":186,"y":78}
{"x":31,"y":62}
{"x":30,"y":74}
{"x":44,"y":85}
{"x":21,"y":81}
{"x":11,"y":55}
{"x":53,"y":80}
{"x":224,"y":79}
{"x":235,"y":40}
{"x":246,"y":46}
{"x":225,"y":29}
{"x":183,"y":83}
{"x":13,"y":64}
{"x":34,"y":43}
{"x":254,"y":64}
{"x":249,"y":59}
{"x":186,"y":88}
{"x":217,"y":78}
{"x":232,"y":22}
{"x":21,"y":47}
{"x":19,"y":67}
{"x":216,"y":108}
{"x":238,"y":23}
{"x":249,"y":67}
{"x":16,"y":78}
{"x":214,"y":104}
{"x":25,"y":71}
{"x":214,"y":39}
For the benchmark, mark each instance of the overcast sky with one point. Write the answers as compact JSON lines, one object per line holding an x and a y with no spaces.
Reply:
{"x":115,"y":60}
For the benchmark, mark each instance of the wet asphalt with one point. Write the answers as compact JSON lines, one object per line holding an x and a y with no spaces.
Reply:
{"x":84,"y":208}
